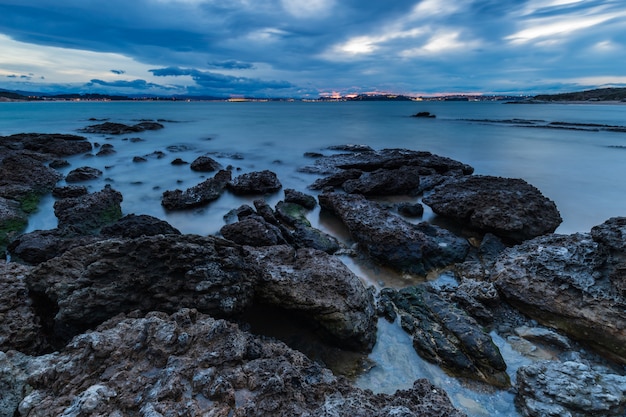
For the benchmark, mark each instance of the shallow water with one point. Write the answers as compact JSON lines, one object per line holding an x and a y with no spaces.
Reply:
{"x":581,"y":171}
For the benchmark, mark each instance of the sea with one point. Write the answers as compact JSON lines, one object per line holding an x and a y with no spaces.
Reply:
{"x":575,"y":154}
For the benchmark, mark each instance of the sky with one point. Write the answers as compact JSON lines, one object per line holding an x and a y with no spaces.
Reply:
{"x":311,"y":48}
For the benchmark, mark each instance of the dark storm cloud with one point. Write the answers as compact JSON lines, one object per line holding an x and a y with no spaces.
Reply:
{"x":358,"y":45}
{"x":134,"y":84}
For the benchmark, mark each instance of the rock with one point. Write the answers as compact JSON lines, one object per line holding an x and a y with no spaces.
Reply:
{"x":83,"y":174}
{"x":369,"y":161}
{"x":351,"y":148}
{"x":58,"y":163}
{"x":90,"y":284}
{"x":299,"y":230}
{"x":297,"y":197}
{"x":446,"y":335}
{"x":321,"y":289}
{"x":253,"y":230}
{"x":28,"y":171}
{"x":403,"y":180}
{"x":19,"y":325}
{"x":131,"y":226}
{"x":111,"y":128}
{"x":507,"y":207}
{"x":192,"y":364}
{"x":138,"y":159}
{"x":392,"y":241}
{"x":69,"y":191}
{"x":12,"y":220}
{"x":88,"y":213}
{"x":179,"y":161}
{"x":259,"y":182}
{"x":552,"y":388}
{"x":424,"y":114}
{"x":205,"y":164}
{"x":478,"y":298}
{"x":106,"y":149}
{"x":40,"y":245}
{"x":53,"y":144}
{"x":336,"y":179}
{"x":198,"y":195}
{"x":410,"y":210}
{"x":611,"y":235}
{"x":565,"y":282}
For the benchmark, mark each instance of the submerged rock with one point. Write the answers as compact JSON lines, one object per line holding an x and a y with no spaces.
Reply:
{"x":569,"y":389}
{"x":191,"y":364}
{"x":205,"y":164}
{"x":392,"y":241}
{"x":111,"y":128}
{"x":83,"y":174}
{"x":507,"y":207}
{"x":571,"y":283}
{"x":446,"y":335}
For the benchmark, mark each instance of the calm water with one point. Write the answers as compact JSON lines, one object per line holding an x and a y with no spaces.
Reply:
{"x":583,"y":172}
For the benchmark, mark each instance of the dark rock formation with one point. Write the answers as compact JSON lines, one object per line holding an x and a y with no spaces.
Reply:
{"x":53,"y":144}
{"x":83,"y":174}
{"x":424,"y":114}
{"x":205,"y":164}
{"x":28,"y":171}
{"x":192,"y":364}
{"x":571,"y":283}
{"x":88,"y":213}
{"x":179,"y":161}
{"x":92,"y":283}
{"x":259,"y":182}
{"x":106,"y":149}
{"x":507,"y":207}
{"x":403,"y":180}
{"x":131,"y":226}
{"x":302,"y":199}
{"x":611,"y":235}
{"x":111,"y":128}
{"x":253,"y":230}
{"x":320,"y":288}
{"x":410,"y":209}
{"x":392,"y":241}
{"x":351,"y":148}
{"x":569,"y":389}
{"x":446,"y":335}
{"x":198,"y":195}
{"x":40,"y":245}
{"x":69,"y":191}
{"x":19,"y":325}
{"x":299,"y":231}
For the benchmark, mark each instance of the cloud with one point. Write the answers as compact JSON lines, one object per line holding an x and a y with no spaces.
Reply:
{"x":134,"y":84}
{"x":230,"y":64}
{"x":118,"y":72}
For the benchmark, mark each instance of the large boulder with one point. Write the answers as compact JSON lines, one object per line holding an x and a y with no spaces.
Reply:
{"x":574,"y":389}
{"x":319,"y":288}
{"x":205,"y":164}
{"x":507,"y":207}
{"x":192,"y":364}
{"x":392,"y":241}
{"x":28,"y":170}
{"x":253,"y":230}
{"x":444,"y":334}
{"x":571,"y":283}
{"x":403,"y":180}
{"x":198,"y":195}
{"x":90,"y":284}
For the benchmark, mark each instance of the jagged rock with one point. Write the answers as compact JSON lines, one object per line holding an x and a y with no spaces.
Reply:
{"x":28,"y":171}
{"x":111,"y":128}
{"x":198,"y":195}
{"x":297,"y":197}
{"x":259,"y":182}
{"x":192,"y":364}
{"x":507,"y":207}
{"x":205,"y":164}
{"x":58,"y":163}
{"x":351,"y":148}
{"x":40,"y":245}
{"x":299,"y":229}
{"x":574,"y":389}
{"x":410,"y":210}
{"x":611,"y":235}
{"x":403,"y":180}
{"x":106,"y":149}
{"x":131,"y":226}
{"x":92,"y":283}
{"x":12,"y":220}
{"x":337,"y":179}
{"x":567,"y":282}
{"x":343,"y":307}
{"x":83,"y":174}
{"x":88,"y":213}
{"x":392,"y":241}
{"x":446,"y":335}
{"x":19,"y":325}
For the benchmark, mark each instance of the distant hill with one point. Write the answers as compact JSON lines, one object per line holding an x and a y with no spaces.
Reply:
{"x":601,"y":94}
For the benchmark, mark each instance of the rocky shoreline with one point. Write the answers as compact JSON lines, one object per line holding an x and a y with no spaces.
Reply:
{"x":120,"y":314}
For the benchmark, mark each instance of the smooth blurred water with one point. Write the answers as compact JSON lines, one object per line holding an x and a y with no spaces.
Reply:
{"x":583,"y":172}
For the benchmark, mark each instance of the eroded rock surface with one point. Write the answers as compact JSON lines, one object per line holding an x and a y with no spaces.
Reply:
{"x":392,"y":241}
{"x":258,"y":182}
{"x":506,"y":207}
{"x":198,"y":195}
{"x":192,"y":364}
{"x":571,"y":283}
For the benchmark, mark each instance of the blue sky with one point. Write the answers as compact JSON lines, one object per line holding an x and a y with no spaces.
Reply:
{"x":307,"y":48}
